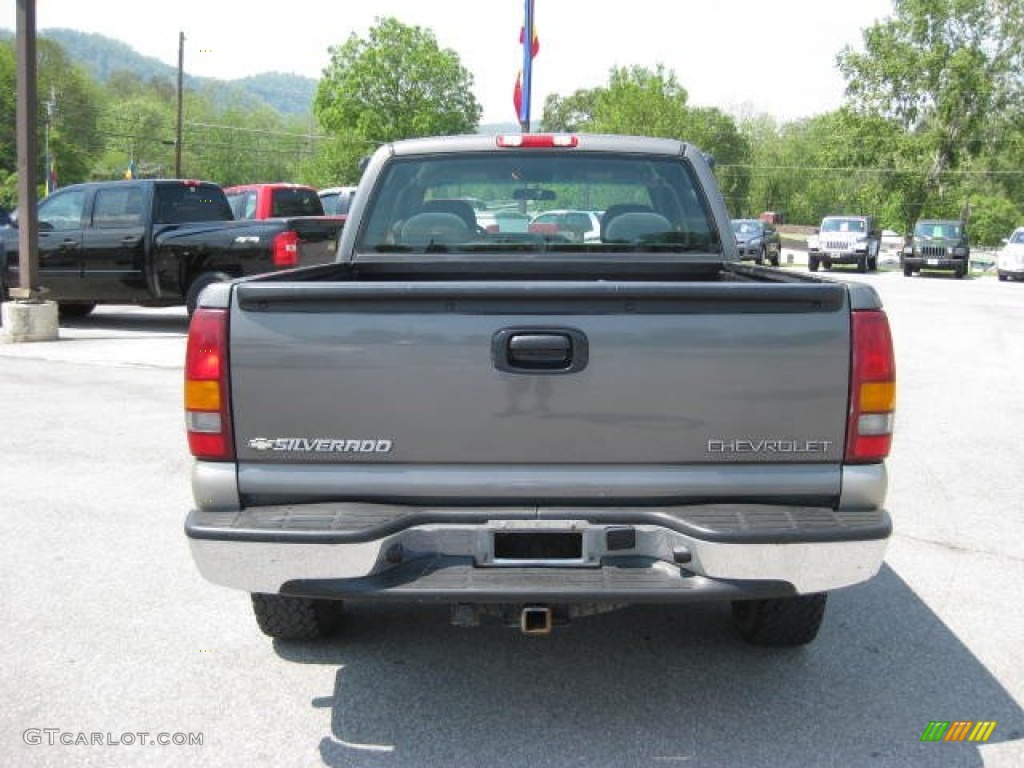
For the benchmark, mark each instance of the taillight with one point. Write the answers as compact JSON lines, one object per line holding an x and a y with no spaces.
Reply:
{"x":286,"y":249}
{"x":872,"y":388}
{"x":537,"y":140}
{"x":207,"y":411}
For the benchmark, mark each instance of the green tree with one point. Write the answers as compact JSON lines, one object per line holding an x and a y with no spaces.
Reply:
{"x":992,"y":218}
{"x":717,"y":133}
{"x":8,"y":140}
{"x":71,"y":101}
{"x":235,"y":144}
{"x":395,"y":84}
{"x":642,"y":102}
{"x":68,"y":112}
{"x":772,"y":179}
{"x":227,"y":137}
{"x":941,"y":70}
{"x":571,"y":113}
{"x":337,"y":161}
{"x":137,"y":129}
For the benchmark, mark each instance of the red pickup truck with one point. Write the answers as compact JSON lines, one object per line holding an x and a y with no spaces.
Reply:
{"x":274,"y":200}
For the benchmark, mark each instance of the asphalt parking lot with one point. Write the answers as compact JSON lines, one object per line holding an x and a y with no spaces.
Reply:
{"x":111,"y":631}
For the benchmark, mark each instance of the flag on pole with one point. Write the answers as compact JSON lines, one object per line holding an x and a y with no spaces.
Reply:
{"x":51,"y":176}
{"x":517,"y":94}
{"x":535,"y":45}
{"x":531,"y":46}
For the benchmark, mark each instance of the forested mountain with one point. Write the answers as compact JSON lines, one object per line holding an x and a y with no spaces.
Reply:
{"x":102,"y":56}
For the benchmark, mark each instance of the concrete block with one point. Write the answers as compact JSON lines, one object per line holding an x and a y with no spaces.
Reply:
{"x":29,"y":321}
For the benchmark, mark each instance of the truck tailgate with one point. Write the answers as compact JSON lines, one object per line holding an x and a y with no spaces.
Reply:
{"x":317,"y":237}
{"x":396,"y":378}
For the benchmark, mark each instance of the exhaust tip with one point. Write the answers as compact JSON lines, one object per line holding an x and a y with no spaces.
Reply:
{"x":535,"y":620}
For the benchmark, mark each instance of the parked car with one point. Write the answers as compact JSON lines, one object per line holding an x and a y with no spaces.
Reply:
{"x":937,"y":244}
{"x":892,"y":242}
{"x":503,"y":222}
{"x":577,"y":226}
{"x":757,"y":240}
{"x":337,"y":200}
{"x":273,"y":200}
{"x":845,"y":240}
{"x":1010,"y":260}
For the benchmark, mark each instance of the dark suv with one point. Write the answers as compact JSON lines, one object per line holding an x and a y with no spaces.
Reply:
{"x":937,"y":244}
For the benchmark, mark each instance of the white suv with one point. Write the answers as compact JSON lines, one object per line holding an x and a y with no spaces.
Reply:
{"x":1010,"y":261}
{"x":845,"y":240}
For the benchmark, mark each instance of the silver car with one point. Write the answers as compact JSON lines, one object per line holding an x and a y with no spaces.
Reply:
{"x":757,"y":240}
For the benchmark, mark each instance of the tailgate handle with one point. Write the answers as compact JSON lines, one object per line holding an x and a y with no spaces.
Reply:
{"x":539,"y":350}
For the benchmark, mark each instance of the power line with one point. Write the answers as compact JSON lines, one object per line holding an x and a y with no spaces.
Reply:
{"x":303,"y":136}
{"x":765,"y":169}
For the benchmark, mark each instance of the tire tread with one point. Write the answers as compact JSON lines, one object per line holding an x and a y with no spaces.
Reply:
{"x":779,"y":622}
{"x":295,"y":618}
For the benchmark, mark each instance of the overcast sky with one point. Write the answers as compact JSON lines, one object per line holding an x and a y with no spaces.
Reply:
{"x":738,"y":55}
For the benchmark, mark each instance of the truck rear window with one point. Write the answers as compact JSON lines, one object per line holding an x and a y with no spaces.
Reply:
{"x":295,"y":202}
{"x":498,"y":202}
{"x":181,"y":202}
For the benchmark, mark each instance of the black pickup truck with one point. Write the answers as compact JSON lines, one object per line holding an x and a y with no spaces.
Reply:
{"x":156,"y":242}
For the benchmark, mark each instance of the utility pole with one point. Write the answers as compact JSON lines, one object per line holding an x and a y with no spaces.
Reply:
{"x":177,"y":133}
{"x":25,"y":131}
{"x":27,"y":317}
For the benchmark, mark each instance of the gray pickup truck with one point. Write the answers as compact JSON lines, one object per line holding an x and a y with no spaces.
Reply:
{"x":529,"y":426}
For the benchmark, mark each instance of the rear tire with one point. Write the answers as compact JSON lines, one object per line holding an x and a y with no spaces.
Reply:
{"x":812,"y":264}
{"x":780,"y":621}
{"x":197,"y":286}
{"x":295,"y":618}
{"x":759,"y":259}
{"x":908,"y":271}
{"x":862,"y":264}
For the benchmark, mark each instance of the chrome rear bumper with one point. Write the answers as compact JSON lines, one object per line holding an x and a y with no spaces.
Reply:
{"x":642,"y":554}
